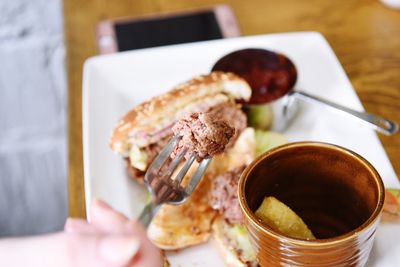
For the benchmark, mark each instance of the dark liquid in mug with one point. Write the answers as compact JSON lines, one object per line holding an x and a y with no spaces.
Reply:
{"x":332,"y":198}
{"x":269,"y":74}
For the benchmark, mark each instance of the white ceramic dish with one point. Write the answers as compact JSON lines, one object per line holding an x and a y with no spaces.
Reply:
{"x":113,"y":84}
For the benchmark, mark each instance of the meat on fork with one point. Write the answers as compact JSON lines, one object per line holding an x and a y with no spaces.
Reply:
{"x":203,"y":134}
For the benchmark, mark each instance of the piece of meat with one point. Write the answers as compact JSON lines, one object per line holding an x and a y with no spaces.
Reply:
{"x":152,"y":137}
{"x":134,"y":173}
{"x":154,"y":149}
{"x":224,"y":196}
{"x":231,"y":114}
{"x":151,"y":151}
{"x":203,"y":133}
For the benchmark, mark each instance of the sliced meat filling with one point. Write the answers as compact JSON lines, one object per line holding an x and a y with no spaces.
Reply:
{"x":150,"y":153}
{"x":162,"y":128}
{"x":224,"y":196}
{"x":231,"y":114}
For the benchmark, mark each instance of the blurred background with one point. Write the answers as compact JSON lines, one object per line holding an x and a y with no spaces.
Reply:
{"x":43,"y":44}
{"x":33,"y":172}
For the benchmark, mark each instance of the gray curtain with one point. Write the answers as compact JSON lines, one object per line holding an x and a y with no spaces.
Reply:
{"x":33,"y":196}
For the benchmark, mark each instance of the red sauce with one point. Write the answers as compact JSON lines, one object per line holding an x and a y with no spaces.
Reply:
{"x":269,"y":74}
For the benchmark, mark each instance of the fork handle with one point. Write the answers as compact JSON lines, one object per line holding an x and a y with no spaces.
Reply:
{"x":147,"y":214}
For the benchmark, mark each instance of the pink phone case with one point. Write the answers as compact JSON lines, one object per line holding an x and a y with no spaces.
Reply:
{"x":107,"y":41}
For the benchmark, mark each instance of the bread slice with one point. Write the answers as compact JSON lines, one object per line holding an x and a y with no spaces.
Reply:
{"x":180,"y":226}
{"x":161,"y":111}
{"x":234,"y":244}
{"x":242,"y":153}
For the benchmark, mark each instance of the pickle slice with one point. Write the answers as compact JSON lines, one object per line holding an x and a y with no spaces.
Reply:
{"x":266,"y":140}
{"x":281,"y":218}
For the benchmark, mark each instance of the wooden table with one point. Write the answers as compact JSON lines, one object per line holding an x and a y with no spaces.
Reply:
{"x":364,"y":34}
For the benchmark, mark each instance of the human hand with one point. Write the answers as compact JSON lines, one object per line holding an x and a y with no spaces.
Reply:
{"x":109,"y":240}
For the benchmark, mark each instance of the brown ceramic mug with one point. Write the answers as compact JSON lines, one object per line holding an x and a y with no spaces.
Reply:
{"x":336,"y":192}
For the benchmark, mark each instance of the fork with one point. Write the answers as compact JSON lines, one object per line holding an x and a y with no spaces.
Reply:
{"x":164,"y":188}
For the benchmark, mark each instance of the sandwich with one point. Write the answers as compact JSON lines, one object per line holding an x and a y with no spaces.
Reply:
{"x":233,"y":244}
{"x":144,"y":131}
{"x":228,"y":230}
{"x":213,"y":208}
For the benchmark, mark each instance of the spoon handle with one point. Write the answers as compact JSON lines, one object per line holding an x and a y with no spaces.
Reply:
{"x":382,"y":125}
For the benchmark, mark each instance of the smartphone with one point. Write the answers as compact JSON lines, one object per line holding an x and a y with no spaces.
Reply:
{"x":166,"y":29}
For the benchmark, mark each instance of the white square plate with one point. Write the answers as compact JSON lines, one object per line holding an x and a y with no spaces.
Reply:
{"x":113,"y":84}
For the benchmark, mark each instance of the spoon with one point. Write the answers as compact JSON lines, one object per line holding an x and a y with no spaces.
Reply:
{"x":272,"y":77}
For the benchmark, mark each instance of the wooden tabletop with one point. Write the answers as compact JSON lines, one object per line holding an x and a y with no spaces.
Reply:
{"x":363,"y":33}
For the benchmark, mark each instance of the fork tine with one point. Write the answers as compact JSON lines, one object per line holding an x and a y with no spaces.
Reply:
{"x":167,"y":190}
{"x":163,"y":192}
{"x":157,"y":187}
{"x":159,"y":161}
{"x":197,"y":175}
{"x":175,"y":162}
{"x":185,"y":168}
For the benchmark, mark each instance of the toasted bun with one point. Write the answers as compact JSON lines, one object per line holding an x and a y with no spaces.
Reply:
{"x":180,"y":226}
{"x":233,"y":244}
{"x":242,"y":153}
{"x":160,"y":111}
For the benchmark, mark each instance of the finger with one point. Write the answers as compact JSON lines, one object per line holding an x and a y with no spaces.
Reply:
{"x":65,"y":250}
{"x":118,"y":250}
{"x":101,"y":250}
{"x":149,"y":254}
{"x":106,"y":219}
{"x":73,"y":225}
